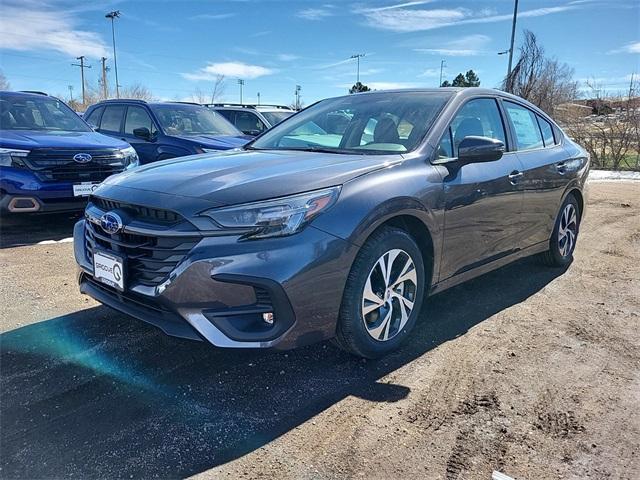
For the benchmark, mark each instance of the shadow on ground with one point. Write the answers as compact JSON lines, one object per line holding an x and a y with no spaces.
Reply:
{"x":96,"y":394}
{"x":27,"y":229}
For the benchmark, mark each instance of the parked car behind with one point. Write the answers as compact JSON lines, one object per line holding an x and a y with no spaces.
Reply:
{"x":305,"y":234}
{"x":50,"y":159}
{"x":252,"y":119}
{"x":163,"y":130}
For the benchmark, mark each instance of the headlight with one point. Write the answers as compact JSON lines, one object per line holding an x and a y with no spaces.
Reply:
{"x":277,"y":217}
{"x":11,"y":157}
{"x":130,"y":157}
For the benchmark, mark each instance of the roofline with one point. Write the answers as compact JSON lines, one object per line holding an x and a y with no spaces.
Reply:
{"x":248,"y":105}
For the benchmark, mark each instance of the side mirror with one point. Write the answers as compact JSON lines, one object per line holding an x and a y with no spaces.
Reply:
{"x":142,"y":132}
{"x":474,"y":149}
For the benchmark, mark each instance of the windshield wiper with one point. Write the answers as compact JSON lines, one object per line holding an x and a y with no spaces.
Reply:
{"x":317,"y":148}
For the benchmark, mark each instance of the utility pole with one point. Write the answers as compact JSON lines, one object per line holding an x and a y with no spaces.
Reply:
{"x":357,"y":56}
{"x":513,"y":37}
{"x":241,"y":83}
{"x":70,"y":93}
{"x":105,"y":90}
{"x":297,"y":93}
{"x":113,"y":15}
{"x":442,"y":63}
{"x":82,"y":67}
{"x":258,"y":98}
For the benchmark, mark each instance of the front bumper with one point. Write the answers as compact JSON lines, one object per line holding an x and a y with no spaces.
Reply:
{"x":220,"y":290}
{"x":20,"y":188}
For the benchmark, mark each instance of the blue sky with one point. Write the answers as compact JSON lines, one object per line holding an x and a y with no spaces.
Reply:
{"x":177,"y":47}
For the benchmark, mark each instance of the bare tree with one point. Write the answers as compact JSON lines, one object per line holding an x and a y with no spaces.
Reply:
{"x":219,"y":86}
{"x":543,"y":81}
{"x":137,"y":91}
{"x":4,"y":83}
{"x":611,"y":134}
{"x":198,"y":96}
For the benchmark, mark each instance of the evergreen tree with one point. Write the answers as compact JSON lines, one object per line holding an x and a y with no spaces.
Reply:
{"x":359,"y":87}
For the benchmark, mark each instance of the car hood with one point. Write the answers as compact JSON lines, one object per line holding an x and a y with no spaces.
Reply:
{"x":244,"y":176}
{"x":39,"y":139}
{"x":219,"y":142}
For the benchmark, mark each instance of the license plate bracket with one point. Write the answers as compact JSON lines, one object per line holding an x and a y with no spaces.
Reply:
{"x":109,"y":269}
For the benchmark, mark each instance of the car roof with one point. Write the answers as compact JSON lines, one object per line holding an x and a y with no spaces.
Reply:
{"x":265,"y":107}
{"x":23,"y":93}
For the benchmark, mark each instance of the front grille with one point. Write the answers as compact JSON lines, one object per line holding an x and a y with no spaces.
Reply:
{"x":51,"y":165}
{"x":138,"y":212}
{"x":149,"y":259}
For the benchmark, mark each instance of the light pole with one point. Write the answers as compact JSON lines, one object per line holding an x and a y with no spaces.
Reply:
{"x":513,"y":37}
{"x":241,"y":83}
{"x":70,"y":93}
{"x":442,"y":63}
{"x":258,"y":98}
{"x":357,"y":56}
{"x":113,"y":15}
{"x":297,"y":92}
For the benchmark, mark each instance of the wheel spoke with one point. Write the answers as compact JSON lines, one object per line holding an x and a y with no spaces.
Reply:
{"x":382,"y":329}
{"x":406,"y":306}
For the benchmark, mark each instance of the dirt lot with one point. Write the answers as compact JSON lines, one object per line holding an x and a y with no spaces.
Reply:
{"x":530,"y":371}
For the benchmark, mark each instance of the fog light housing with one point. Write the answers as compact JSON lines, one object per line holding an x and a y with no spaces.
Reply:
{"x":267,"y":318}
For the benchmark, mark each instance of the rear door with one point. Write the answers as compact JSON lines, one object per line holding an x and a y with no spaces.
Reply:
{"x":545,"y":171}
{"x":483,"y":201}
{"x":138,"y":117}
{"x":111,"y":121}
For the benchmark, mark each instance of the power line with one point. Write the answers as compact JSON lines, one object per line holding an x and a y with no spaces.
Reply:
{"x":357,"y":56}
{"x":82,"y":67}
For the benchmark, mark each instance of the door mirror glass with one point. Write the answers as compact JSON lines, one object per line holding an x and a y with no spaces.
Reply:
{"x":474,"y":149}
{"x":142,"y":132}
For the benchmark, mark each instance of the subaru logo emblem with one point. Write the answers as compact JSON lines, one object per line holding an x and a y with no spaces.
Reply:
{"x":82,"y":158}
{"x":111,"y":223}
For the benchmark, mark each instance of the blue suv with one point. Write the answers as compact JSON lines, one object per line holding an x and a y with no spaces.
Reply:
{"x":50,"y":159}
{"x":159,"y":131}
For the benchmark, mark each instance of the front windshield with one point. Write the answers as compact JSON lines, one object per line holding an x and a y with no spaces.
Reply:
{"x":377,"y":123}
{"x":276,"y":117}
{"x":188,"y":120}
{"x":21,"y":112}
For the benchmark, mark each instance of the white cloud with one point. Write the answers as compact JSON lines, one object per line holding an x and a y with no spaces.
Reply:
{"x":430,"y":73}
{"x":469,"y":45}
{"x":315,"y":13}
{"x":212,"y":16}
{"x":633,"y":47}
{"x":287,"y":57}
{"x":36,"y":25}
{"x":413,"y":20}
{"x":398,"y":5}
{"x":228,"y":69}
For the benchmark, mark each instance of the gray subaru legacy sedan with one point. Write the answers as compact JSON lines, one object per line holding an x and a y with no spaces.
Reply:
{"x":336,"y":223}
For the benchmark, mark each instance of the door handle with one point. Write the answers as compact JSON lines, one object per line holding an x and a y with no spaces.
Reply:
{"x":515,"y":176}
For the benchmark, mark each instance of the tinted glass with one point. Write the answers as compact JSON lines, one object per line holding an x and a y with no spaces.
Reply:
{"x":94,"y":116}
{"x":111,"y":118}
{"x":228,"y":114}
{"x":19,"y":112}
{"x":480,"y":118}
{"x":547,"y":132}
{"x":137,"y":117}
{"x":369,"y":123}
{"x":525,"y":126}
{"x":186,"y":120}
{"x":276,"y":117}
{"x":249,"y":122}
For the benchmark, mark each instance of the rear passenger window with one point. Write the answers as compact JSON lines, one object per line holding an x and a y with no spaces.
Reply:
{"x":547,"y":132}
{"x":525,"y":127}
{"x":228,"y":114}
{"x":112,"y":118}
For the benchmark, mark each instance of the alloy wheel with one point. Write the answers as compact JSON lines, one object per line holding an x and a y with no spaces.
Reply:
{"x":567,"y":230}
{"x":389,"y":295}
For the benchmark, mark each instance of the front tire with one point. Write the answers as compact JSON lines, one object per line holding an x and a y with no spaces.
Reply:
{"x":383,"y":294}
{"x":565,"y":234}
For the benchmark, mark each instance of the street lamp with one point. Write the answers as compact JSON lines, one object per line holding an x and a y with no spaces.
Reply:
{"x":113,"y":15}
{"x":357,"y":57}
{"x":241,"y":83}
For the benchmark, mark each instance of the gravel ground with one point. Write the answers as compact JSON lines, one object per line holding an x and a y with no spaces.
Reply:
{"x":530,"y":371}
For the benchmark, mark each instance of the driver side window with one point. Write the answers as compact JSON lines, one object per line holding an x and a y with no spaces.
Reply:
{"x":479,"y":117}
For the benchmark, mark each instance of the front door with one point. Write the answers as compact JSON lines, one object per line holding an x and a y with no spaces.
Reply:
{"x":483,"y":201}
{"x":138,"y":117}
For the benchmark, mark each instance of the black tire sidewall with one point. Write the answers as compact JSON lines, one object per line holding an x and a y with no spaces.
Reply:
{"x":354,"y":332}
{"x":554,"y":248}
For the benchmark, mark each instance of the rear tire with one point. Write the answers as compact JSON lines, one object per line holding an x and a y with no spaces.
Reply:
{"x":565,"y":235}
{"x":383,"y":295}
